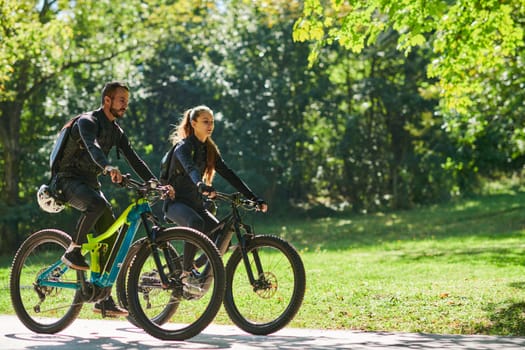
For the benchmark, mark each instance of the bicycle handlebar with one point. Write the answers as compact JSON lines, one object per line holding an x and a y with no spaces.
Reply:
{"x":237,"y":200}
{"x":151,"y":187}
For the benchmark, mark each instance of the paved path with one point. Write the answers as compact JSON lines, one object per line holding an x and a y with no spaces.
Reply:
{"x":121,"y":335}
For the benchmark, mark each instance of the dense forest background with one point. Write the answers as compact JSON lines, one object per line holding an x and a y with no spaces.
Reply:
{"x":359,"y":105}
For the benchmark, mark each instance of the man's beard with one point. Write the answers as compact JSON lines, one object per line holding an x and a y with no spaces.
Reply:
{"x":114,"y":112}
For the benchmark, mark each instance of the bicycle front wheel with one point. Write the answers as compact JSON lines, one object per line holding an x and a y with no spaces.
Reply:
{"x":43,"y":308}
{"x":147,"y":279}
{"x":276,"y":294}
{"x":186,"y":304}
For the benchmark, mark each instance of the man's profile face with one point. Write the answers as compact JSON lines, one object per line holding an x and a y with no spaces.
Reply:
{"x":118,"y":104}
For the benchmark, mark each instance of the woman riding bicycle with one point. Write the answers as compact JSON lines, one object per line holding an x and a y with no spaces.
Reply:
{"x":194,"y":162}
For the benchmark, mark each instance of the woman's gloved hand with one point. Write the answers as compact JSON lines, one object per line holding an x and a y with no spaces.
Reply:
{"x":207,"y":190}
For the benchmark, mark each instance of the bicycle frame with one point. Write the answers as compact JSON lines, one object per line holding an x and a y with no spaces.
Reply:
{"x":224,"y":235}
{"x":126,"y":225}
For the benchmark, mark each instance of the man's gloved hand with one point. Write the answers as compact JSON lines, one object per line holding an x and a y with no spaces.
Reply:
{"x":114,"y":173}
{"x":171,"y":191}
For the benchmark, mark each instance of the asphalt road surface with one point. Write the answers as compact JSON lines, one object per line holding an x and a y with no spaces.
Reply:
{"x":121,"y":335}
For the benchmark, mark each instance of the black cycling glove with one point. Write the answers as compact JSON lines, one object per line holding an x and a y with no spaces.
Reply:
{"x":259,"y":202}
{"x":205,"y":189}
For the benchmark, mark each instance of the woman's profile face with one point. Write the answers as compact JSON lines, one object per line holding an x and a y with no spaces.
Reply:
{"x":203,"y":125}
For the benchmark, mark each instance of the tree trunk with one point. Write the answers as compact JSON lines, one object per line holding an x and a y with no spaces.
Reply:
{"x":10,"y":113}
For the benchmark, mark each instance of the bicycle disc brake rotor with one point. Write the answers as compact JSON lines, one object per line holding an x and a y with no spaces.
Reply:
{"x":266,"y":285}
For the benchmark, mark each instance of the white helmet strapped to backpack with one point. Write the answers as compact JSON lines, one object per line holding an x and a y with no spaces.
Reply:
{"x":47,"y":202}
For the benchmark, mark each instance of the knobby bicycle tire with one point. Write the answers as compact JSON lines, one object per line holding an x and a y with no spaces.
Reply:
{"x":276,"y":297}
{"x":60,"y":306}
{"x":149,"y":301}
{"x":120,"y":283}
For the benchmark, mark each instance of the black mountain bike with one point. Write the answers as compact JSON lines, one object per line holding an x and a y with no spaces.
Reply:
{"x":265,"y":276}
{"x":167,"y":302}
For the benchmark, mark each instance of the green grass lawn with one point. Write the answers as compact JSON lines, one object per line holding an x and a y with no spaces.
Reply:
{"x":455,"y":268}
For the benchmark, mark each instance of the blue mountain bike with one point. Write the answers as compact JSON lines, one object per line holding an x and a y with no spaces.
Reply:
{"x":164,"y":300}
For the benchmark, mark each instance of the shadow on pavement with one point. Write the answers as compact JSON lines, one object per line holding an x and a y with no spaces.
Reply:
{"x":118,"y":335}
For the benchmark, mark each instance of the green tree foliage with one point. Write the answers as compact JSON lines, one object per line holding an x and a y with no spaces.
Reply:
{"x":475,"y":54}
{"x":469,"y":38}
{"x":50,"y":44}
{"x":386,"y":146}
{"x":359,"y":129}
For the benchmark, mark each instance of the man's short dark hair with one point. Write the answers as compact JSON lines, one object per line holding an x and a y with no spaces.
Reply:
{"x":110,"y":88}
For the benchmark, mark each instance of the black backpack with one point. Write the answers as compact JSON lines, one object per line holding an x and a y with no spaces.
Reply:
{"x":165,"y":164}
{"x":60,"y":144}
{"x":54,"y":160}
{"x":166,"y":171}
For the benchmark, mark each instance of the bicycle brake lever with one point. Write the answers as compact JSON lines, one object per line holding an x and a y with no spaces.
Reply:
{"x":125,"y":180}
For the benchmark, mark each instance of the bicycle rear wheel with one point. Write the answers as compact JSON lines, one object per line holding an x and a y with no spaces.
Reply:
{"x":275,"y":297}
{"x":121,"y":282}
{"x":44,"y":309}
{"x":179,"y":310}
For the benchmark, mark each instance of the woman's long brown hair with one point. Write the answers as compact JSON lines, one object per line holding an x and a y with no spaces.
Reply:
{"x":184,"y":129}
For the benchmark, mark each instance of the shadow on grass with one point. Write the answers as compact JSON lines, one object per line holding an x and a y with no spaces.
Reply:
{"x":494,"y":255}
{"x":493,"y":217}
{"x":505,"y":319}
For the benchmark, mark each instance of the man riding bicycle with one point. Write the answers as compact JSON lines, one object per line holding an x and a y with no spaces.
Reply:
{"x":84,"y":158}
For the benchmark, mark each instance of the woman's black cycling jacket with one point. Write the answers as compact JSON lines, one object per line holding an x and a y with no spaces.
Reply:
{"x":187,"y":169}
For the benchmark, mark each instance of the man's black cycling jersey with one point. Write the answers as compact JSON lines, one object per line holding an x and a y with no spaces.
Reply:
{"x":188,"y":166}
{"x":86,"y":151}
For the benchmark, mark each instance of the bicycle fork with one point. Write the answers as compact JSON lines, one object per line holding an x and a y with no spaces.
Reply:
{"x":244,"y":240}
{"x":153,"y":232}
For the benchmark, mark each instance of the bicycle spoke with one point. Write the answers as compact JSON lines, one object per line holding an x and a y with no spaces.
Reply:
{"x":187,"y":302}
{"x":44,"y":308}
